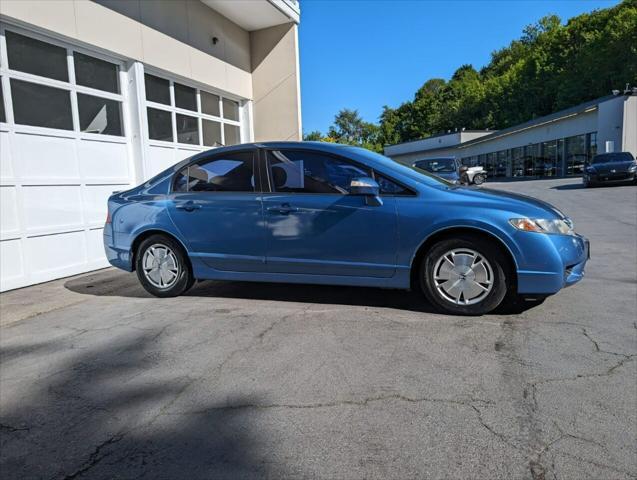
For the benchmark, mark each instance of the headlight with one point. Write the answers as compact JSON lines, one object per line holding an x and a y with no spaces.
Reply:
{"x":633,"y":168}
{"x":590,"y":169}
{"x":541,"y":225}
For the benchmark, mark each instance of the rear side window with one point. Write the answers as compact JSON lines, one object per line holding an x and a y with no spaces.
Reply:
{"x":233,"y":172}
{"x":305,"y":171}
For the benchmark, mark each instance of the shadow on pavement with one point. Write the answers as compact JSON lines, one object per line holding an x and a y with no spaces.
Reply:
{"x":580,"y":186}
{"x":106,"y":413}
{"x":123,"y":284}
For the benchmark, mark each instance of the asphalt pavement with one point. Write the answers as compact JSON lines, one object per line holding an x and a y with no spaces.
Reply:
{"x":241,"y":380}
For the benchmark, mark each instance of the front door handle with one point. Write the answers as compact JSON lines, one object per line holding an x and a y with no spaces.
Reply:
{"x":188,"y":206}
{"x":283,"y":209}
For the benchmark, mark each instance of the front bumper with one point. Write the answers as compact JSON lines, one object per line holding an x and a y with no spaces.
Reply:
{"x":611,"y":177}
{"x":563,"y":264}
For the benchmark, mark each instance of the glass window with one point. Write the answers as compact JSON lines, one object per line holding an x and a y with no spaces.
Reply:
{"x":41,"y":106}
{"x":548,"y":167}
{"x":389,"y":187}
{"x":231,"y":133}
{"x":99,"y":115}
{"x":592,"y":145}
{"x":233,"y":172}
{"x":517,"y":161}
{"x":560,"y":157}
{"x":39,"y":58}
{"x":210,"y":104}
{"x":160,"y":125}
{"x":95,"y":73}
{"x":437,"y":165}
{"x":187,"y":129}
{"x":311,"y":172}
{"x":185,"y":97}
{"x":613,"y":157}
{"x":157,"y":89}
{"x":3,"y":118}
{"x":211,"y":133}
{"x":230,"y":110}
{"x":575,"y":154}
{"x":501,"y":164}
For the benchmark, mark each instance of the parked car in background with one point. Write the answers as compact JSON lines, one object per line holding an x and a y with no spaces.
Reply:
{"x":321,"y":213}
{"x":604,"y":168}
{"x":447,"y":167}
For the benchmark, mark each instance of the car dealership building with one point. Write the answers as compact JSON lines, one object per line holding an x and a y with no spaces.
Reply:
{"x":556,"y":145}
{"x":99,"y":95}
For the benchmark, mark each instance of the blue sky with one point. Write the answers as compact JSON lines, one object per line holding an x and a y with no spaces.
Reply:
{"x":368,"y":53}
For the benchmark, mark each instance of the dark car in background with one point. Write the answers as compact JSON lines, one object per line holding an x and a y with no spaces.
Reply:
{"x":447,"y":167}
{"x":617,"y":167}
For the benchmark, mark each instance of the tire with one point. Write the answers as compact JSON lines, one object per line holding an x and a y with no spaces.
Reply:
{"x":478,"y":179}
{"x":486,"y":278}
{"x":162,"y":267}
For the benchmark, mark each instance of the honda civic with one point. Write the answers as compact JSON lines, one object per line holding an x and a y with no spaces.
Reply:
{"x":321,"y":213}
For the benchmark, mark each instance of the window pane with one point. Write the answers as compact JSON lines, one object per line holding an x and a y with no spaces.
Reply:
{"x":310,"y":172}
{"x":160,"y":125}
{"x":3,"y":118}
{"x":99,"y":115}
{"x":211,"y":133}
{"x":36,"y":57}
{"x":210,"y":104}
{"x":187,"y":129}
{"x":232,"y":172}
{"x":185,"y":97}
{"x":575,"y":154}
{"x":231,"y":132}
{"x":41,"y":106}
{"x":95,"y":73}
{"x":390,"y":187}
{"x":157,"y":89}
{"x":230,"y":110}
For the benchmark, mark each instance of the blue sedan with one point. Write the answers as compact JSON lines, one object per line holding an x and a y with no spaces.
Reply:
{"x":320,"y":213}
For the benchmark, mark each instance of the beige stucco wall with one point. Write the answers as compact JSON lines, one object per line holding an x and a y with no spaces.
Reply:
{"x":275,"y":83}
{"x":173,"y":35}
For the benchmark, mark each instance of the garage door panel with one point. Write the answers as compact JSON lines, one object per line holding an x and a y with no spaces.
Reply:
{"x":96,"y":197}
{"x":9,"y":223}
{"x":52,"y":206}
{"x":42,"y":157}
{"x":6,"y":169}
{"x":96,"y":246}
{"x":159,"y":158}
{"x":11,"y":267}
{"x":103,"y":161}
{"x":49,"y":256}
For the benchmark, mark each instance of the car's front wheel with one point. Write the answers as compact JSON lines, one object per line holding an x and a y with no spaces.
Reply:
{"x":162,"y":267}
{"x":465,"y":275}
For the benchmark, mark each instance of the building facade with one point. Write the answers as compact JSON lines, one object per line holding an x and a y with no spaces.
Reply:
{"x":556,"y":145}
{"x":98,"y":95}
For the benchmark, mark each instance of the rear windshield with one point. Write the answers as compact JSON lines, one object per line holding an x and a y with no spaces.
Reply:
{"x":437,"y":165}
{"x":613,"y":157}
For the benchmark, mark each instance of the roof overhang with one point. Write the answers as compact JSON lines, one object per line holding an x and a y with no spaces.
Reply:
{"x":257,"y":14}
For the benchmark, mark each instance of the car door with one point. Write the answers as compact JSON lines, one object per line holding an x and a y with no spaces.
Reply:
{"x":315,"y":227}
{"x":216,"y":205}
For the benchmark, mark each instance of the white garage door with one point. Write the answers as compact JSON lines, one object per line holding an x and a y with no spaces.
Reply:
{"x":64,"y":148}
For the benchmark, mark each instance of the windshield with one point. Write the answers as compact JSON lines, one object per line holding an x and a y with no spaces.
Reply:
{"x":612,"y":157}
{"x":416,"y":174}
{"x":437,"y":165}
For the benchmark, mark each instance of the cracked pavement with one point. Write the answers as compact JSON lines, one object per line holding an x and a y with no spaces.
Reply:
{"x":238,"y":380}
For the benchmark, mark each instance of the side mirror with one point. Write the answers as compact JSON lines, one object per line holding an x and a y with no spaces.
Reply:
{"x":364,"y":186}
{"x":367,"y":187}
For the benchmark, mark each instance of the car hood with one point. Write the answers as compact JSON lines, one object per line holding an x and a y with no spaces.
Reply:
{"x":617,"y":166}
{"x":513,"y":202}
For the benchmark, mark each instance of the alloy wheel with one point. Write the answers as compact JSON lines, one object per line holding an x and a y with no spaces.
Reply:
{"x":463,"y":276}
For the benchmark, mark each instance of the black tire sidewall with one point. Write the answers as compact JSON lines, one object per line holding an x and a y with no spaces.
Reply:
{"x":185,"y":280}
{"x":493,"y":255}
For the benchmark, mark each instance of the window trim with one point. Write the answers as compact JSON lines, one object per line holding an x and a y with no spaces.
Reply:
{"x":71,"y":87}
{"x":211,"y":157}
{"x":199,"y":115}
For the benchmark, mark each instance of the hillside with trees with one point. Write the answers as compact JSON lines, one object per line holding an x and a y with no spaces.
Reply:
{"x":550,"y":67}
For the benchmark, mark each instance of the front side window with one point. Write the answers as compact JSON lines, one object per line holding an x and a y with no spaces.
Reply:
{"x":389,"y":187}
{"x":298,"y":171}
{"x":232,"y":172}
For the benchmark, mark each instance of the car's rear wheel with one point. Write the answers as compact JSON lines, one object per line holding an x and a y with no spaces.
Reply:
{"x":465,"y":275}
{"x":162,"y":267}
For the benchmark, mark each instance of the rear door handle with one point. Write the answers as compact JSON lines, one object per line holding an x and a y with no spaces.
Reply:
{"x":188,"y":206}
{"x":283,"y":209}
